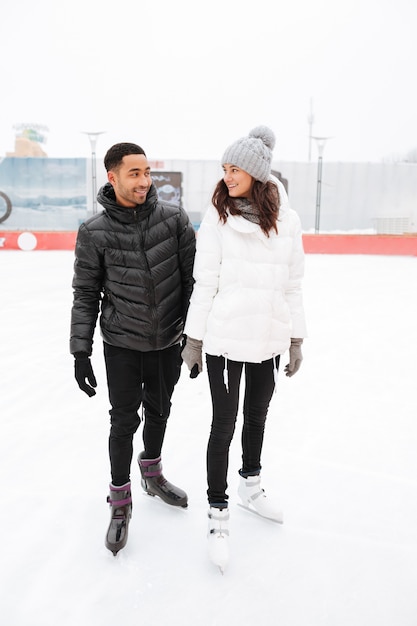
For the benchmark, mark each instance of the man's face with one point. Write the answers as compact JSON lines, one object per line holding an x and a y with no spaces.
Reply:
{"x":131,"y":181}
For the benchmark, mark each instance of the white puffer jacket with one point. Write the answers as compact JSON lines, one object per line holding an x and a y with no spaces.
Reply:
{"x":247,"y":300}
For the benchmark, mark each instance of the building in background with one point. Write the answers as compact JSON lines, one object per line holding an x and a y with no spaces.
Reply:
{"x":29,"y":140}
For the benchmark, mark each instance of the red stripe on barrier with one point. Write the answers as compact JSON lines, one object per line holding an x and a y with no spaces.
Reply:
{"x":37,"y":240}
{"x":401,"y":245}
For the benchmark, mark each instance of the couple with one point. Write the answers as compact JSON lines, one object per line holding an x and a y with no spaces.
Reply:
{"x":163,"y":299}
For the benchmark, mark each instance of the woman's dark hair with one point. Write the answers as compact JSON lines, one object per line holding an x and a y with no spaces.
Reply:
{"x":115,"y":154}
{"x":264,"y":198}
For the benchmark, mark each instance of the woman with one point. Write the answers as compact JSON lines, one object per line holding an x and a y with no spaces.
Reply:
{"x":246,"y":310}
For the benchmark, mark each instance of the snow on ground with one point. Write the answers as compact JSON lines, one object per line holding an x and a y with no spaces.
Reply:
{"x":339,"y":455}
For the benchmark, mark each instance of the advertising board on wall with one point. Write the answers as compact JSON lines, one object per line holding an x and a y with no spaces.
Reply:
{"x":42,"y":194}
{"x":45,"y":199}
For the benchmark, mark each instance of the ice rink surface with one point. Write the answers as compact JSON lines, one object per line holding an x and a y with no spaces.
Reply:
{"x":339,"y":457}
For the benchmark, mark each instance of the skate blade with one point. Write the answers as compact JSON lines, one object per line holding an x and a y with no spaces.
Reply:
{"x":159,"y":499}
{"x":270,"y":519}
{"x":114,"y":551}
{"x":220,"y":568}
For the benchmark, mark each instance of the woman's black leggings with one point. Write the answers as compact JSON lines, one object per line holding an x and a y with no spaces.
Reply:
{"x":259,"y":387}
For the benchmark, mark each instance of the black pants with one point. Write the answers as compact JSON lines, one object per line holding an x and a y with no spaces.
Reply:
{"x":134,"y":378}
{"x":259,"y":387}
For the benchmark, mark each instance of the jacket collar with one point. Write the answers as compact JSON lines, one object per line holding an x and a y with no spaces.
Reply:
{"x":126,"y":215}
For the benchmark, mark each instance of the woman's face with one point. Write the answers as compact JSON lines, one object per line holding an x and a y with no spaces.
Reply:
{"x":238,"y":182}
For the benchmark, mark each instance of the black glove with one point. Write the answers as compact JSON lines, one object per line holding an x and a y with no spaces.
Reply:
{"x":84,"y":370}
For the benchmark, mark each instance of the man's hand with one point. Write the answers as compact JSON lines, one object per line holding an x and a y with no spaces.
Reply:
{"x":83,"y":371}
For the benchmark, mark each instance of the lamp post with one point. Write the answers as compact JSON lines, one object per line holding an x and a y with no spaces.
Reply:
{"x":93,"y":136}
{"x":321,"y":142}
{"x":310,"y":120}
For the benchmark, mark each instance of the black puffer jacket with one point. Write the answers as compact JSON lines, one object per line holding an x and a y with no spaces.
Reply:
{"x":136,"y":266}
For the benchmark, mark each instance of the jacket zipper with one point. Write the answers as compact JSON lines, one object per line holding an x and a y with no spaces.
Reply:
{"x":151,"y":289}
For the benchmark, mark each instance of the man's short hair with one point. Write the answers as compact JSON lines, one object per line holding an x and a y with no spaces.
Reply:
{"x":114,"y":155}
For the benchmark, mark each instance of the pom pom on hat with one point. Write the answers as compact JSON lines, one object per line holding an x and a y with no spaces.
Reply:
{"x":253,"y":153}
{"x":265,"y":134}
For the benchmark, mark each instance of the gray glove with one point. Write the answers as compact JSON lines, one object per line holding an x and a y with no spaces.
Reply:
{"x":192,"y":355}
{"x":295,"y":357}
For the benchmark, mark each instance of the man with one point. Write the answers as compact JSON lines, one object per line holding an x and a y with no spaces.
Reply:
{"x":133,"y":263}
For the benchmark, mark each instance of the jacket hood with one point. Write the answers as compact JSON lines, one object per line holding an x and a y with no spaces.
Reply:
{"x":106,"y":197}
{"x":284,"y":202}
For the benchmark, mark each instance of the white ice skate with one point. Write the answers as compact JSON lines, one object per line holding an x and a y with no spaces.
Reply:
{"x":218,"y":537}
{"x":254,"y":499}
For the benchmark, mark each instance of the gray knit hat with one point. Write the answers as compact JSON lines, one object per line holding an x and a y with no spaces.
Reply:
{"x":253,"y":154}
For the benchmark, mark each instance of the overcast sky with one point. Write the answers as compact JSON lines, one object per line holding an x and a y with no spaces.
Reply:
{"x":185,"y":78}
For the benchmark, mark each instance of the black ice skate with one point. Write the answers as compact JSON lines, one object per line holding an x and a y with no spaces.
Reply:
{"x":120,"y":500}
{"x":155,"y":484}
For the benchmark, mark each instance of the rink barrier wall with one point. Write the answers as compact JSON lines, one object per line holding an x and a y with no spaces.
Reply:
{"x":37,"y":240}
{"x":400,"y":245}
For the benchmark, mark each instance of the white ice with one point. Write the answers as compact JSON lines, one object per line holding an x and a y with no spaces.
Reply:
{"x":340,"y":457}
